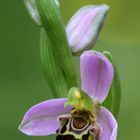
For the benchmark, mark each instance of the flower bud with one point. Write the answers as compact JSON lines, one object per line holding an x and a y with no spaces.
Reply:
{"x":84,"y":27}
{"x":33,"y":10}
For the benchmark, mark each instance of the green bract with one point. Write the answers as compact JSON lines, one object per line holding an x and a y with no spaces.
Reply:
{"x":53,"y":25}
{"x":114,"y":97}
{"x":52,"y":70}
{"x":49,"y":15}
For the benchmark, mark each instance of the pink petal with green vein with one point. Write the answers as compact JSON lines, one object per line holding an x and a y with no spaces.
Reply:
{"x":41,"y":119}
{"x":84,"y":27}
{"x":96,"y":74}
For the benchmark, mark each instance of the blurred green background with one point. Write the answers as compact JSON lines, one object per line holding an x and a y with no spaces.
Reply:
{"x":22,"y":83}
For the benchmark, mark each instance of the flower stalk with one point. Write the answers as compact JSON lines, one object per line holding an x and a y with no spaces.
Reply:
{"x":54,"y":27}
{"x":46,"y":14}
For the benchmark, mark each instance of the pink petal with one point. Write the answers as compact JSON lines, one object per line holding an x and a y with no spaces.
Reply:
{"x":108,"y":124}
{"x":41,"y":119}
{"x":84,"y":27}
{"x":96,"y":74}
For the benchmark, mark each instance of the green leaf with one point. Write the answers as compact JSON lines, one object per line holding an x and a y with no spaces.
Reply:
{"x":52,"y":70}
{"x":114,"y":97}
{"x":54,"y":27}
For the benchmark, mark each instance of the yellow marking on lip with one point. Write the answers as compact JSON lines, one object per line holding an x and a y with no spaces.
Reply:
{"x":77,"y":94}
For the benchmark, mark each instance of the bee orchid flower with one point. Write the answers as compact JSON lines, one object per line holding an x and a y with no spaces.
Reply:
{"x":81,"y":115}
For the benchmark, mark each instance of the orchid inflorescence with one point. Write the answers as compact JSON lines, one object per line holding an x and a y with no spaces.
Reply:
{"x":88,"y":112}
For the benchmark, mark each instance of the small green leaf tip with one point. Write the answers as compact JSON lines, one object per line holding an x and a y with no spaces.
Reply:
{"x":79,"y":100}
{"x":108,"y":55}
{"x":57,"y":3}
{"x":33,"y":11}
{"x":114,"y":97}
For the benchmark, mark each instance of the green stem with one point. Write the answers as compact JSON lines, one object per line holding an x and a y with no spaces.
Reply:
{"x":52,"y":71}
{"x":54,"y":27}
